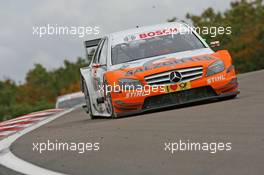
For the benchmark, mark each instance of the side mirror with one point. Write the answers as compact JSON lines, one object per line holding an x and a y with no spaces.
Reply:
{"x":95,"y":65}
{"x":214,"y":44}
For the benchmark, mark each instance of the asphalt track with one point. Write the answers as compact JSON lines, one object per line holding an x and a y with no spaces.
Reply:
{"x":135,"y":145}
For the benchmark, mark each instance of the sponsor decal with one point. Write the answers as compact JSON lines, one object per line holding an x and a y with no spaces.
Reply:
{"x":216,"y":79}
{"x":135,"y":94}
{"x":158,"y":33}
{"x":145,"y":91}
{"x":178,"y":87}
{"x":162,"y":62}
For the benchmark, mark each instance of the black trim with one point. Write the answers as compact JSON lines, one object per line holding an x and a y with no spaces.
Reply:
{"x":92,"y":43}
{"x":178,"y":105}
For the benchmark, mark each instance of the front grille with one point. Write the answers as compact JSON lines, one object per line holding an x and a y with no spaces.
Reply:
{"x":188,"y":74}
{"x":177,"y":98}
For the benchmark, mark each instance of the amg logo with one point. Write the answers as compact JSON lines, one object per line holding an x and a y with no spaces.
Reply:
{"x":215,"y":79}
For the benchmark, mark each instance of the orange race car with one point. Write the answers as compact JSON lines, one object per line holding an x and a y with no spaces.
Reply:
{"x":154,"y":67}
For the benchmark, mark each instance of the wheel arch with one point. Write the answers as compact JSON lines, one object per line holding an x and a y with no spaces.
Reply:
{"x":84,"y":83}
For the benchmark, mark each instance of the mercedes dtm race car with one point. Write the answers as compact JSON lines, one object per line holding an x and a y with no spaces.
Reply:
{"x":154,"y":67}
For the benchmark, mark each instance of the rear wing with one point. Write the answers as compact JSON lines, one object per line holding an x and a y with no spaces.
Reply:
{"x":90,"y":47}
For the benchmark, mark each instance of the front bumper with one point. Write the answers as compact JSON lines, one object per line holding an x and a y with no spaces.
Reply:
{"x":165,"y":106}
{"x":207,"y":88}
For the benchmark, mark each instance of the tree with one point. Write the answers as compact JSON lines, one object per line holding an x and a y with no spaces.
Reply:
{"x":40,"y":89}
{"x":246,"y":42}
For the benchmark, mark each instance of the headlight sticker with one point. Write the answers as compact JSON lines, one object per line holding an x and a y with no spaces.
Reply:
{"x":216,"y":67}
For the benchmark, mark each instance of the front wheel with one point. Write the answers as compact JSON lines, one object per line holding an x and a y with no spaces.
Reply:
{"x":108,"y":103}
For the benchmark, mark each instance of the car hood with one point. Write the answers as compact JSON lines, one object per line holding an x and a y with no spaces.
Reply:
{"x":148,"y":66}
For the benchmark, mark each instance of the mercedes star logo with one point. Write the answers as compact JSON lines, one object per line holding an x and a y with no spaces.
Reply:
{"x":175,"y":77}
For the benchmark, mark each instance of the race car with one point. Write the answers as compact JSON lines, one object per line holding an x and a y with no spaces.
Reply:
{"x":154,"y":67}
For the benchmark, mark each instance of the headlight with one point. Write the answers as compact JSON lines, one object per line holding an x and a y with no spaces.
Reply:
{"x":129,"y":84}
{"x":215,"y":67}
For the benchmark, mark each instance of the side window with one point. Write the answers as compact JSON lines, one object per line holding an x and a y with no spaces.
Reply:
{"x":103,"y":54}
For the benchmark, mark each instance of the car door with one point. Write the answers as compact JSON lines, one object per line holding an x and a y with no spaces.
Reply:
{"x":99,"y":67}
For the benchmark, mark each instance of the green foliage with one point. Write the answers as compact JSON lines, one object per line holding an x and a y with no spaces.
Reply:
{"x":246,"y":43}
{"x":40,"y":90}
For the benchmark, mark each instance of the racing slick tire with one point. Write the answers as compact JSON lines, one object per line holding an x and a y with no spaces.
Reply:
{"x":109,"y":101}
{"x":109,"y":104}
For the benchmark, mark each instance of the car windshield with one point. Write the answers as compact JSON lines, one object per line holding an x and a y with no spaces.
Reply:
{"x":155,"y":46}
